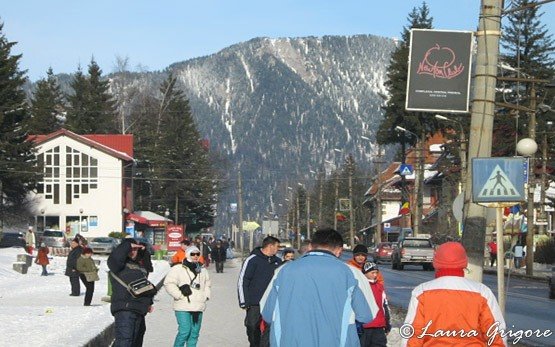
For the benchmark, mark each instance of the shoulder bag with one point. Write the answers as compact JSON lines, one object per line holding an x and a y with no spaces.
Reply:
{"x":138,"y":288}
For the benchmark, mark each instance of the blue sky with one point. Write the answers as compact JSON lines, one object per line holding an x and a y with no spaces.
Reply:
{"x":154,"y":34}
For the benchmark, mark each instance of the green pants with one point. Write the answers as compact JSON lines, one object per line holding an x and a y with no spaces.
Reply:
{"x":187,"y":330}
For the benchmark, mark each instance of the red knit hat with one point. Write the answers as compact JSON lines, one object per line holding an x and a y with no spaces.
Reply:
{"x":450,"y":255}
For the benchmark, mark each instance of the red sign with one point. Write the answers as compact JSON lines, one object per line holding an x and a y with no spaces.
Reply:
{"x":174,"y":235}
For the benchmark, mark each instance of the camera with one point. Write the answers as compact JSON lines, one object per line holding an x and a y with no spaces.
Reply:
{"x":195,"y":285}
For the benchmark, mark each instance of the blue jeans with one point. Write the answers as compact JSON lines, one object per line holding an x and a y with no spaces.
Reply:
{"x":187,"y":331}
{"x":129,"y":328}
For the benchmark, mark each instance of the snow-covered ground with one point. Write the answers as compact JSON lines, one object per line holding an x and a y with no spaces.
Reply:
{"x":38,"y":311}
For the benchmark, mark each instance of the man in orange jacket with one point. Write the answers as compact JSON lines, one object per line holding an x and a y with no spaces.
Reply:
{"x":360,"y":254}
{"x":452,"y":310}
{"x":180,"y":254}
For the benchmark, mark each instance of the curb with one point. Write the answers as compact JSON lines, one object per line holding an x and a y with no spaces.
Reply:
{"x":108,"y":335}
{"x":519,"y":275}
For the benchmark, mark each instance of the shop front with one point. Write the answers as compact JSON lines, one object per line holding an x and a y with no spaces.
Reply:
{"x":148,"y":224}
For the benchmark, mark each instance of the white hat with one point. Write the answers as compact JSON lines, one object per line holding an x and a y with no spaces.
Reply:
{"x":191,"y":249}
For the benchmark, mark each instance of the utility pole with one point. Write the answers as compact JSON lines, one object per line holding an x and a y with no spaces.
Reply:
{"x":378,"y":233}
{"x":335,"y":201}
{"x":307,"y":215}
{"x":240,"y":208}
{"x":351,"y":211}
{"x":321,"y":176}
{"x":531,"y":186}
{"x":418,"y":183}
{"x":481,"y":127}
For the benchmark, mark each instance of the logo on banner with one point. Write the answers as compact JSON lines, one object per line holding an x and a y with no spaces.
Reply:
{"x":440,"y":62}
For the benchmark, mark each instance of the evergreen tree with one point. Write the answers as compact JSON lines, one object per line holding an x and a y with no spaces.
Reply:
{"x":46,"y":106}
{"x":396,"y":83}
{"x":18,"y":174}
{"x":91,"y":107}
{"x":180,"y":170}
{"x":527,"y":42}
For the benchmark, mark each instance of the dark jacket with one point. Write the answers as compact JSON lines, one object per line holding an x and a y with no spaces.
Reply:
{"x":127,"y":270}
{"x":71,"y":262}
{"x":256,"y":274}
{"x":218,"y":254}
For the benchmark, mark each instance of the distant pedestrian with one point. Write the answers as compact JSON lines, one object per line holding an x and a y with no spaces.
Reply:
{"x":314,"y":300}
{"x":492,"y":247}
{"x":440,"y":309}
{"x":42,"y":258}
{"x":189,"y":286}
{"x":360,"y":255}
{"x":218,"y":256}
{"x":518,"y":252}
{"x":30,"y":240}
{"x":256,"y":273}
{"x":88,"y":273}
{"x":71,"y":267}
{"x":288,"y":254}
{"x":374,"y":333}
{"x":205,"y":249}
{"x":129,"y":311}
{"x":180,"y":255}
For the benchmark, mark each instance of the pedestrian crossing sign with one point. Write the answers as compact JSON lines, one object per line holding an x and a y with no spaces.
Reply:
{"x":497,"y":180}
{"x":405,"y":170}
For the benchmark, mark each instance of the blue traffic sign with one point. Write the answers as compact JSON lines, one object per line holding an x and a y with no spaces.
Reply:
{"x":498,"y":180}
{"x":406,"y":170}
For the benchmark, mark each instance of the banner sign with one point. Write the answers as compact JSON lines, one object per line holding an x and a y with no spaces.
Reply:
{"x":439,"y":71}
{"x":174,"y":235}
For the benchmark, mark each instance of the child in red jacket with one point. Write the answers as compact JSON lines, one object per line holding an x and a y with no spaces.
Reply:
{"x":42,"y":258}
{"x":375,"y":332}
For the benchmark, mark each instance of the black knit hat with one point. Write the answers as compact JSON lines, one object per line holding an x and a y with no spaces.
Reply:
{"x":360,"y":249}
{"x":369,"y":266}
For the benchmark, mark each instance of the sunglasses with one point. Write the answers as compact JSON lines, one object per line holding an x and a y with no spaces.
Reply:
{"x":195,"y":254}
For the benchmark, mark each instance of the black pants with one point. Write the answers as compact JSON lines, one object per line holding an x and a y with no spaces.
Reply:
{"x":373,"y":337}
{"x":492,"y":258}
{"x":89,"y":286}
{"x":130,"y":329}
{"x":219,"y":266}
{"x":252,"y":322}
{"x":75,"y":286}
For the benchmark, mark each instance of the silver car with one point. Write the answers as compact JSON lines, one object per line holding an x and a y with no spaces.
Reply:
{"x":103,"y":244}
{"x":54,"y":238}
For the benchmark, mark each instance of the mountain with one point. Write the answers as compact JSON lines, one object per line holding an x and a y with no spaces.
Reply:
{"x":277,"y":108}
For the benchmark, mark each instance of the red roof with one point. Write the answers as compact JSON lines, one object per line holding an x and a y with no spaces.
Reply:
{"x":117,"y":145}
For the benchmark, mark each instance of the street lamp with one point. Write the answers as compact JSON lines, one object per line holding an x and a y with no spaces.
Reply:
{"x":80,"y":216}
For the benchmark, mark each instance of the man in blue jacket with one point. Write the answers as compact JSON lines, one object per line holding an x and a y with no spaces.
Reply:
{"x":315,"y":300}
{"x":256,"y":273}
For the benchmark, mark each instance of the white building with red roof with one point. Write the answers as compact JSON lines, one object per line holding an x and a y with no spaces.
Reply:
{"x":87,"y":185}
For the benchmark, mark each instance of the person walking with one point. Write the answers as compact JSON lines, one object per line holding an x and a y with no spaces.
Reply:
{"x":30,"y":240}
{"x":451,"y":310}
{"x":129,"y":311}
{"x":360,"y":255}
{"x":518,"y":252}
{"x":492,"y":247}
{"x":189,"y":286}
{"x":88,"y":273}
{"x":42,"y":258}
{"x":71,"y":267}
{"x":314,"y":300}
{"x":218,"y":256}
{"x":180,"y":255}
{"x":374,"y":333}
{"x":255,"y":275}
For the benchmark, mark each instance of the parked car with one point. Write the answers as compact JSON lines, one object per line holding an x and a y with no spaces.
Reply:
{"x":413,"y":251}
{"x":382,"y":252}
{"x":12,"y":240}
{"x":54,"y":238}
{"x":103,"y":244}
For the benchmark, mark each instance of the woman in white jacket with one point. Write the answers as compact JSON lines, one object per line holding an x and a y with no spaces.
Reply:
{"x":189,"y":285}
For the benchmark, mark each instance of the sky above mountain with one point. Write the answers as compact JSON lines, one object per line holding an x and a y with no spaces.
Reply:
{"x":152,"y":35}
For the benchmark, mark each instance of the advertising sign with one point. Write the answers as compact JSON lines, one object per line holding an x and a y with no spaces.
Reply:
{"x":439,"y":71}
{"x":174,"y":235}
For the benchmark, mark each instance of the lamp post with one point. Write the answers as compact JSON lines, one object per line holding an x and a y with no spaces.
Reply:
{"x":80,"y":216}
{"x":419,"y":178}
{"x":528,"y":147}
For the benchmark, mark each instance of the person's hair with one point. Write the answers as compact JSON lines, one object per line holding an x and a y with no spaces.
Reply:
{"x":269,"y":240}
{"x":87,"y":250}
{"x":186,"y":242}
{"x":287,"y":251}
{"x":326,"y":238}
